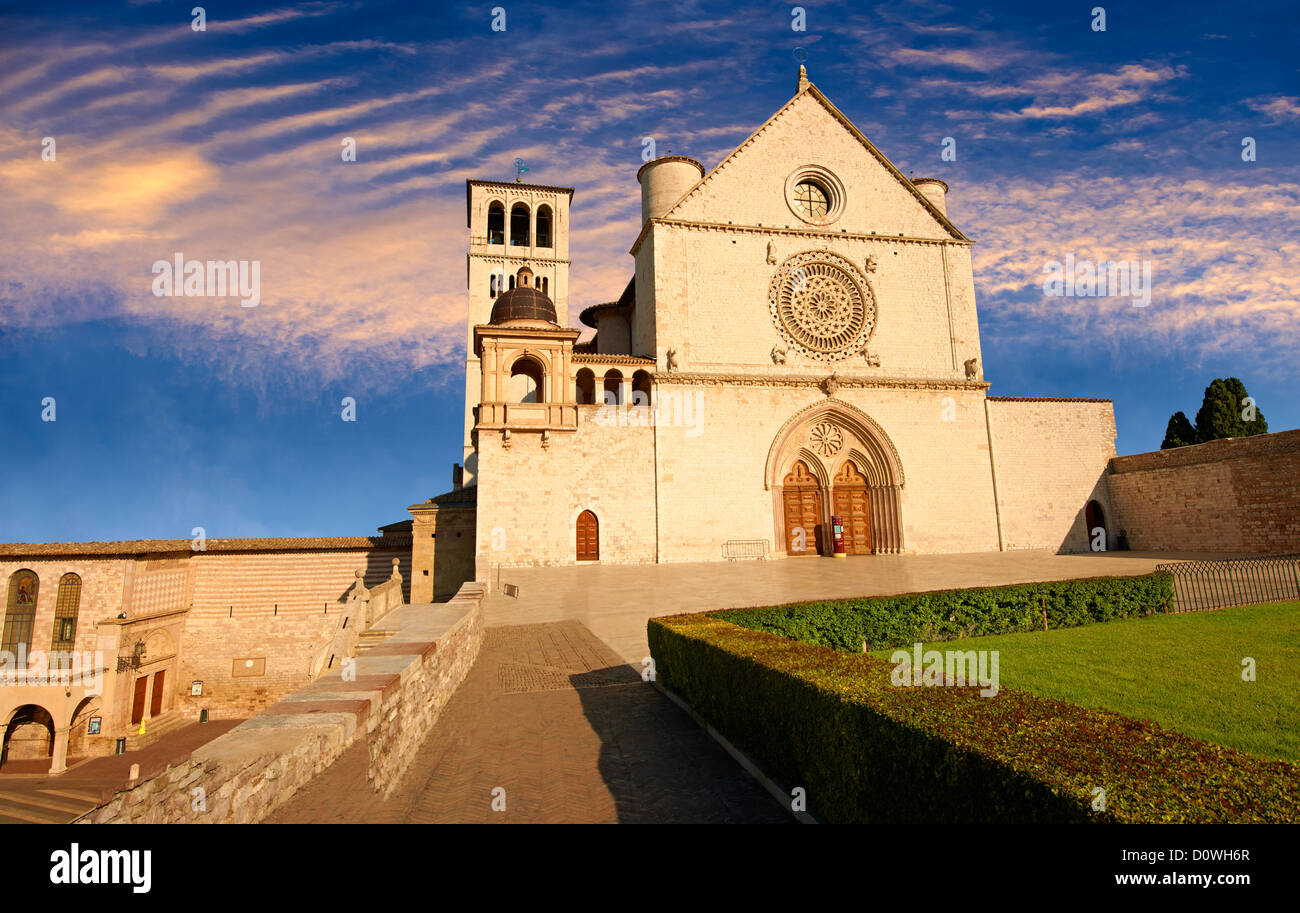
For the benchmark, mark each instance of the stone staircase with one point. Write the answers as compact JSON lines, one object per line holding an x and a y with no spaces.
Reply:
{"x":156,"y":727}
{"x":45,"y":805}
{"x":370,"y":639}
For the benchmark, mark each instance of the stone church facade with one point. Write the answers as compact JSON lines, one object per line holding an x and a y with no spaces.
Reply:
{"x":799,"y":342}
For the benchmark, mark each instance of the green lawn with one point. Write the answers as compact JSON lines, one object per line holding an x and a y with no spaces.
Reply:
{"x":1181,"y":671}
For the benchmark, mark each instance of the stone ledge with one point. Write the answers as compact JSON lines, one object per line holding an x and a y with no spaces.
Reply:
{"x":394,"y":700}
{"x":1234,"y":448}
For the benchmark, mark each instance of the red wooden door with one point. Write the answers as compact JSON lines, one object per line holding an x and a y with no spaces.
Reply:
{"x":588,"y":537}
{"x":137,"y":706}
{"x":155,"y":706}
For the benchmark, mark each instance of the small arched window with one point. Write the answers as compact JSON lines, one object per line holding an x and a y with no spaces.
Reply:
{"x":641,"y":389}
{"x":613,"y":388}
{"x":66,"y":606}
{"x":519,"y":218}
{"x":543,"y":226}
{"x":20,"y":613}
{"x":546,"y":286}
{"x":526,"y":382}
{"x":496,"y":227}
{"x":586,"y":387}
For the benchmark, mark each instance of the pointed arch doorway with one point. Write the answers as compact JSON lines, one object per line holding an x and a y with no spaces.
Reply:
{"x":832,"y":459}
{"x":802,"y":500}
{"x":853,"y":505}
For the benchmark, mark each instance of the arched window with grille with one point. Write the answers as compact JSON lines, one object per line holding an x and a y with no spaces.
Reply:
{"x":20,"y":613}
{"x":66,"y":606}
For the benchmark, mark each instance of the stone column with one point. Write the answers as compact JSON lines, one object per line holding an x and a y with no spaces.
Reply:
{"x":59,"y":763}
{"x":423,"y":526}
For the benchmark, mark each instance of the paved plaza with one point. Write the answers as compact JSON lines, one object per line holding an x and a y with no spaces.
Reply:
{"x":555,"y":713}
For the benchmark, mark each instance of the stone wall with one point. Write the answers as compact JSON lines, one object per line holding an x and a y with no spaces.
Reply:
{"x":392,"y":697}
{"x":530,"y":495}
{"x":1240,"y":495}
{"x":442,"y":545}
{"x":247,"y":622}
{"x":1049,"y":457}
{"x":275,"y":610}
{"x":102,"y":585}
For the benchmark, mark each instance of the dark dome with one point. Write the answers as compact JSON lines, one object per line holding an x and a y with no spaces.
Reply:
{"x":523,"y":302}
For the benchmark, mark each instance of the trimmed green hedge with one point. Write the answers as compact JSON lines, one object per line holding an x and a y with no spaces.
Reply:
{"x":866,"y":751}
{"x":896,"y":621}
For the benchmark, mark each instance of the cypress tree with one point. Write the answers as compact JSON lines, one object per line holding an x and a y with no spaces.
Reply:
{"x":1225,"y":412}
{"x":1178,"y":433}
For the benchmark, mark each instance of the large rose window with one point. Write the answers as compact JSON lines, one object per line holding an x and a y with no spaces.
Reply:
{"x":821,"y":304}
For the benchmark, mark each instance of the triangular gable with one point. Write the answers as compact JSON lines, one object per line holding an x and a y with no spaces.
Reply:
{"x":857,"y":134}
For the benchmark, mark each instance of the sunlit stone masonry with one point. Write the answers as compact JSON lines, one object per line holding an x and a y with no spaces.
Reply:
{"x":798,"y":341}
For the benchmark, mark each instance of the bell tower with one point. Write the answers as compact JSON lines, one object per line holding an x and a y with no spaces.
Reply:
{"x":511,"y":225}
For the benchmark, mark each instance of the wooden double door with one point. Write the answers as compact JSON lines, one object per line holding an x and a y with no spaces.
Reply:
{"x":853,"y":505}
{"x":803,"y":511}
{"x":802,"y":505}
{"x":142,"y":691}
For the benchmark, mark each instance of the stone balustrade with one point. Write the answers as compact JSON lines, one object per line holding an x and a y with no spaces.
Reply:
{"x":391,"y":696}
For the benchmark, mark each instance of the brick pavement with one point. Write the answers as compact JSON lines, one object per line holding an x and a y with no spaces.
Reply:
{"x":551,"y":715}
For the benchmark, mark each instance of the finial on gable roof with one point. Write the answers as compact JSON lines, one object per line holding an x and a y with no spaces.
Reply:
{"x":800,"y":55}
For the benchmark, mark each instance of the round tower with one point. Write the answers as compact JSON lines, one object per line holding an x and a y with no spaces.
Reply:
{"x":664,"y":181}
{"x":934,"y":190}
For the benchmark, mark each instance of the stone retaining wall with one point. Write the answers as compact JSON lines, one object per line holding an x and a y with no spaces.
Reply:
{"x":1235,"y":496}
{"x":391,"y":695}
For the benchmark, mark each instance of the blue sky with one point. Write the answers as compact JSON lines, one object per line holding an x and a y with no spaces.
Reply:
{"x":224,"y":144}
